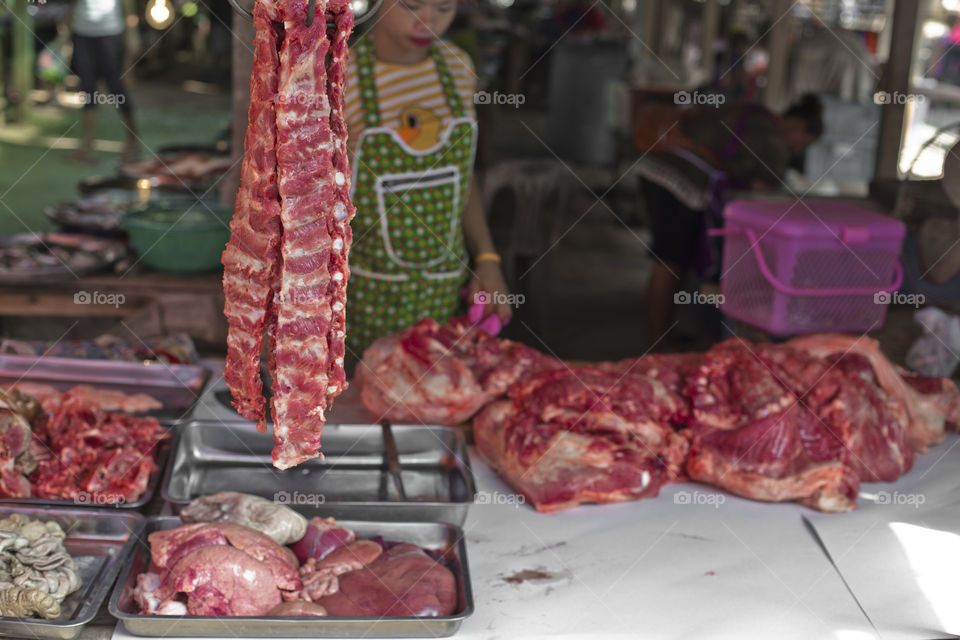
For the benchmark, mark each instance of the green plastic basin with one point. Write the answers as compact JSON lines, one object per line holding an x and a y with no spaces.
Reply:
{"x":178,"y":239}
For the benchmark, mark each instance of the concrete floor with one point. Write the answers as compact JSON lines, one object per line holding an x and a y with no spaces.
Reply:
{"x":33,"y":173}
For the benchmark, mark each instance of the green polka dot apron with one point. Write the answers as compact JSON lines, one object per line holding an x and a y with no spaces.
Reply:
{"x":408,"y":260}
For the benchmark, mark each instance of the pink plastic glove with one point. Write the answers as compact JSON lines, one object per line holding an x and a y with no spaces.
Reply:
{"x":490,"y":324}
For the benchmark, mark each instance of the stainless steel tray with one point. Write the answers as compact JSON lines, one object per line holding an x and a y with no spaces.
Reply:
{"x":428,"y":535}
{"x":99,"y":541}
{"x":108,"y":253}
{"x":353,"y":481}
{"x":153,"y":482}
{"x":176,"y":386}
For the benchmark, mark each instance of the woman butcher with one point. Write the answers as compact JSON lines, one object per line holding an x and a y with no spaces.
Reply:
{"x":419,"y":234}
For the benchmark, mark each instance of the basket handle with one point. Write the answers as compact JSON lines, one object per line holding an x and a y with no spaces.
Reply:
{"x":784,"y":288}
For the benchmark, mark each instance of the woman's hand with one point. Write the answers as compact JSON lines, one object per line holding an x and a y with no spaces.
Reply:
{"x":488,"y":277}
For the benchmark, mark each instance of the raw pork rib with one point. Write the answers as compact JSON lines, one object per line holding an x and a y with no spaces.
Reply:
{"x":565,"y":437}
{"x":285,"y":269}
{"x":251,"y":261}
{"x":433,"y":374}
{"x":308,"y":340}
{"x":775,"y":423}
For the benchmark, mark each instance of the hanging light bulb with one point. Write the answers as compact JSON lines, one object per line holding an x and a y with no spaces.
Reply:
{"x":159,"y":14}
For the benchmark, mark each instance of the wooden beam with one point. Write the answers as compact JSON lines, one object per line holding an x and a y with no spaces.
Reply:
{"x":775,"y":94}
{"x":242,"y":66}
{"x":15,"y":303}
{"x":711,"y":22}
{"x":652,"y":15}
{"x":895,"y":79}
{"x":22,"y":60}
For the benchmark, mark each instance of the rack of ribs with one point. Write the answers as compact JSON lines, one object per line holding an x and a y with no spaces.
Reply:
{"x":285,"y":267}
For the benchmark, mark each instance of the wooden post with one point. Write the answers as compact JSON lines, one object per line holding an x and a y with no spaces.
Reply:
{"x":22,"y":60}
{"x":651,"y":24}
{"x":775,"y":94}
{"x":895,"y":79}
{"x":242,"y":66}
{"x":711,"y":22}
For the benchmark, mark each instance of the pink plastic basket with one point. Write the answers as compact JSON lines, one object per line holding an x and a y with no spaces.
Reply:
{"x":803,"y":267}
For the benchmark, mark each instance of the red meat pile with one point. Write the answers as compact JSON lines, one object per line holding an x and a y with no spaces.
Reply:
{"x":584,"y":435}
{"x":84,"y":453}
{"x":437,"y":374}
{"x":807,"y":420}
{"x":78,"y":452}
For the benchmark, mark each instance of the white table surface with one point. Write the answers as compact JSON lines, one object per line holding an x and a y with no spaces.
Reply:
{"x":692,"y":563}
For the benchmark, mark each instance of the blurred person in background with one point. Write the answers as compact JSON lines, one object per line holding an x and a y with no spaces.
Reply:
{"x":693,"y":160}
{"x":98,"y":51}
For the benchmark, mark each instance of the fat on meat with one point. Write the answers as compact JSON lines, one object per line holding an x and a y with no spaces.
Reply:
{"x":772,"y":422}
{"x":280,"y":522}
{"x":932,"y":405}
{"x":572,"y":436}
{"x":442,"y":374}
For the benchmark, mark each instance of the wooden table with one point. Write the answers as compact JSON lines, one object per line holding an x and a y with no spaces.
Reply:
{"x":147,"y":302}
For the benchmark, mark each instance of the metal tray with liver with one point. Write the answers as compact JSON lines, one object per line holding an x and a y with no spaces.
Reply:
{"x":434,"y":482}
{"x":429,"y":535}
{"x":99,"y":541}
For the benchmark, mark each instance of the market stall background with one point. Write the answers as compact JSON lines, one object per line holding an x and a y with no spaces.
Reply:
{"x":561,"y":89}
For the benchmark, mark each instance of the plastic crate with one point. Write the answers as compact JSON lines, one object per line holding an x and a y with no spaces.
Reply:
{"x":793,"y":267}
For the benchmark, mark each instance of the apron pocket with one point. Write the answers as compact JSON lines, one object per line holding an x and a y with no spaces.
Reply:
{"x":419,"y":215}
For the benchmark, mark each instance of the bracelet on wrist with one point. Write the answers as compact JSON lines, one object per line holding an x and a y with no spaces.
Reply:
{"x":487,"y":256}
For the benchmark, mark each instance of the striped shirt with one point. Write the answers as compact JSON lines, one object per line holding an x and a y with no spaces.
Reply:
{"x":412,"y":94}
